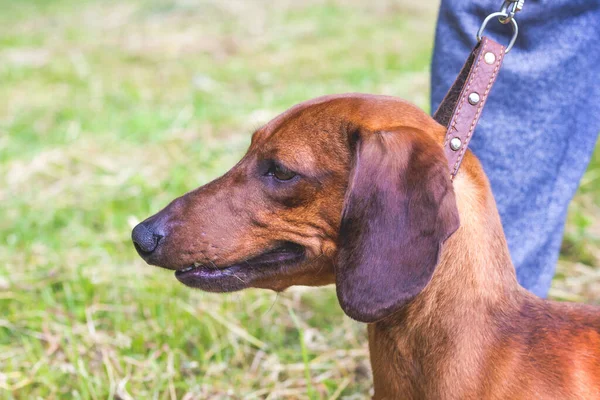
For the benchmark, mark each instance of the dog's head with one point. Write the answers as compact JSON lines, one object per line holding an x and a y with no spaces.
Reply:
{"x":351,"y":189}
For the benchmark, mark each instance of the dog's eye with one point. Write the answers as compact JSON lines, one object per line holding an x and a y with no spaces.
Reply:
{"x":281,"y":173}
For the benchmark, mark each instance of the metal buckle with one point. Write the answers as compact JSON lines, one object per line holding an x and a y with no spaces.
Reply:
{"x":501,"y":16}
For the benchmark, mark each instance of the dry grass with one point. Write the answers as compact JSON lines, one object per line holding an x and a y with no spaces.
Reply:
{"x":110,"y":109}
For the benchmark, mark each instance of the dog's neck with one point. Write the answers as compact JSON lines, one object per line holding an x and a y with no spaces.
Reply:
{"x":448,"y":324}
{"x":475,"y":267}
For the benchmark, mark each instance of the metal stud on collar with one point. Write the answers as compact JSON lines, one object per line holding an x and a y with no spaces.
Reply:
{"x":474,"y":98}
{"x":489,"y":58}
{"x":455,"y":143}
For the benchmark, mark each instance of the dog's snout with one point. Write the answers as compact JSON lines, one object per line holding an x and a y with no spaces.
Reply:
{"x":145,"y":239}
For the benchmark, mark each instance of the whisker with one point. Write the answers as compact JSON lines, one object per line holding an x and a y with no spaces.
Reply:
{"x":235,"y":276}
{"x":272,"y":304}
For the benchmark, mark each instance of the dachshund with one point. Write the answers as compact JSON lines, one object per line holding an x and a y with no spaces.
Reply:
{"x":355,"y":190}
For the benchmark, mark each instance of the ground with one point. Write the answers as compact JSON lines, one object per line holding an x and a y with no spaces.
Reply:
{"x":108,"y":110}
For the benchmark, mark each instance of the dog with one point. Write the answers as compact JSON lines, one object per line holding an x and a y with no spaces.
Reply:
{"x":355,"y":190}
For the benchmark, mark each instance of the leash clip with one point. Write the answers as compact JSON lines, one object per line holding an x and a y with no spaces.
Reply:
{"x":510,"y":7}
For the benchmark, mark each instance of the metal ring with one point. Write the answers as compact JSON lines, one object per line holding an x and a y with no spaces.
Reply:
{"x":513,"y":22}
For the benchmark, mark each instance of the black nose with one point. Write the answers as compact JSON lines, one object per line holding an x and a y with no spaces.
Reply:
{"x":145,"y":240}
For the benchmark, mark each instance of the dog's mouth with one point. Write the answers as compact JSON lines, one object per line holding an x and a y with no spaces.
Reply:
{"x":228,"y":278}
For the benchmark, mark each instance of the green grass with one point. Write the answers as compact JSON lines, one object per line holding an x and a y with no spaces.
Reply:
{"x":110,"y":109}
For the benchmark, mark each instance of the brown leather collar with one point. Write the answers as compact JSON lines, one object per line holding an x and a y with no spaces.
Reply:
{"x":461,"y":108}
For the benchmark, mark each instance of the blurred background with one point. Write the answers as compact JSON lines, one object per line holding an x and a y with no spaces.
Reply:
{"x":110,"y":109}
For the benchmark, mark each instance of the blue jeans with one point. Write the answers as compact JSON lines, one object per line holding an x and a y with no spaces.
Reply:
{"x":539,"y":127}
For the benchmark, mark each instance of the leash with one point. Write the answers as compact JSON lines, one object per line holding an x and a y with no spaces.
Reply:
{"x":461,"y":108}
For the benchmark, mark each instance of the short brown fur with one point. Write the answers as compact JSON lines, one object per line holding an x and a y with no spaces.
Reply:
{"x":471,"y":333}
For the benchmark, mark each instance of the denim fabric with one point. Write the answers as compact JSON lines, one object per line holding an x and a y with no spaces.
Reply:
{"x":541,"y":121}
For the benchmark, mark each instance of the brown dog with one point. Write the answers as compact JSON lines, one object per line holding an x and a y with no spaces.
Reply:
{"x":355,"y":190}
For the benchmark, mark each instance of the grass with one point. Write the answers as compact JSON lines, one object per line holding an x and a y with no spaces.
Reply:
{"x":110,"y":109}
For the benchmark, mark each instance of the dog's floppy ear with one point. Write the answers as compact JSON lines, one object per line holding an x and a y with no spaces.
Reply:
{"x":399,"y":209}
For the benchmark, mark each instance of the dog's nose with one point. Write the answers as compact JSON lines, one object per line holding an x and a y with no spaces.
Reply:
{"x":145,"y":239}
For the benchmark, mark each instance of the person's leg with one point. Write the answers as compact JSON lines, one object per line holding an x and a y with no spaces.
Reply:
{"x":541,"y":121}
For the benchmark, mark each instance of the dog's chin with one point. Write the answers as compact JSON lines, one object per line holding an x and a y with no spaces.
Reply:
{"x":241,"y":275}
